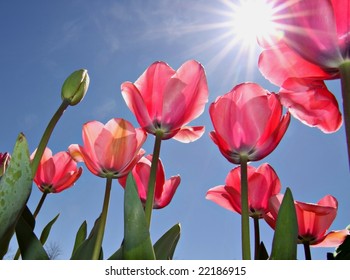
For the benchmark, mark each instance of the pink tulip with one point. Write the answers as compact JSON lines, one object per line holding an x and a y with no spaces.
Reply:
{"x":109,"y":150}
{"x":263,"y":183}
{"x":57,"y":172}
{"x":315,"y":44}
{"x":318,"y":30}
{"x":313,"y":221}
{"x":166,"y":100}
{"x":4,"y":162}
{"x":248,"y":121}
{"x":164,"y":190}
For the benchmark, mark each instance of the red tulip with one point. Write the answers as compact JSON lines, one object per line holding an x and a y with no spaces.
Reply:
{"x":164,"y":190}
{"x":313,"y":221}
{"x":166,"y":100}
{"x":248,"y":121}
{"x":109,"y":150}
{"x":57,"y":172}
{"x":4,"y":162}
{"x":263,"y":183}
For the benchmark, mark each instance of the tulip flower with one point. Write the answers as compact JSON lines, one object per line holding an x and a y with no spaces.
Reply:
{"x":109,"y":150}
{"x":263,"y":183}
{"x":56,"y":172}
{"x":4,"y":162}
{"x":164,"y":190}
{"x":164,"y":100}
{"x":248,"y":122}
{"x":248,"y":125}
{"x":314,"y":219}
{"x":315,"y":45}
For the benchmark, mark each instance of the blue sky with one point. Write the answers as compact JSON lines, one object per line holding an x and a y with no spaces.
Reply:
{"x":42,"y":42}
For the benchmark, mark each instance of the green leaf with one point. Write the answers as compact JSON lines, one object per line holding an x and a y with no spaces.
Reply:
{"x":137,"y":240}
{"x":30,"y":246}
{"x":46,"y":231}
{"x":15,"y":189}
{"x":342,"y":252}
{"x":86,"y":248}
{"x":118,"y":255}
{"x":80,"y":236}
{"x":284,"y":245}
{"x":165,"y":247}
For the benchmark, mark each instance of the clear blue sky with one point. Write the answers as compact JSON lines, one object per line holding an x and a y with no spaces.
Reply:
{"x":42,"y":42}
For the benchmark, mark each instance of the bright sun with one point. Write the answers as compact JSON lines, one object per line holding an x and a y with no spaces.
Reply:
{"x":252,"y":20}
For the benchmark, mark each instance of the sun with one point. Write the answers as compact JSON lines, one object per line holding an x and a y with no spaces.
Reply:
{"x":252,"y":20}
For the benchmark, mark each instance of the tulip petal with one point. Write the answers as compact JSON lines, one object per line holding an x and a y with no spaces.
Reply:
{"x":223,"y":196}
{"x":189,"y":134}
{"x":332,"y":239}
{"x":279,"y":63}
{"x":168,"y":190}
{"x":134,"y":100}
{"x":312,"y":103}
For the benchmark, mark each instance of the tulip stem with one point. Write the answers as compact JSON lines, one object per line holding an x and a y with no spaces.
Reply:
{"x":307,"y":250}
{"x":46,"y":136}
{"x":345,"y":86}
{"x":103,"y":218}
{"x":40,"y":204}
{"x":256,"y":237}
{"x":245,"y":209}
{"x":152,"y":177}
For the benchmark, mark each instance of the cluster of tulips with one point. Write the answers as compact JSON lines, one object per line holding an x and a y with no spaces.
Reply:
{"x":249,"y":122}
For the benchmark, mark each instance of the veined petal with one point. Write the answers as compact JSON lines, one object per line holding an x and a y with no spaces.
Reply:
{"x":189,"y":134}
{"x":168,"y":190}
{"x":312,"y":103}
{"x":134,"y":100}
{"x":152,"y":84}
{"x":332,"y":239}
{"x":223,"y":196}
{"x":195,"y":93}
{"x":279,"y":63}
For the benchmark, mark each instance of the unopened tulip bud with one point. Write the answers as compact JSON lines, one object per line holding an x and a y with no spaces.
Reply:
{"x":4,"y":162}
{"x":75,"y":87}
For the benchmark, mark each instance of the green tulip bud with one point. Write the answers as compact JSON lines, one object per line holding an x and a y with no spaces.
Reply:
{"x":75,"y":87}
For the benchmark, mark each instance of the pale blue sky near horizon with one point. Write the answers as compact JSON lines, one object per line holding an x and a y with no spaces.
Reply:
{"x":42,"y":42}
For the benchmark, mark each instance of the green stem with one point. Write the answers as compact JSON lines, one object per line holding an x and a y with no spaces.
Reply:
{"x":307,"y":250}
{"x":345,"y":86}
{"x":256,"y":237}
{"x":102,"y":224}
{"x":40,"y":204}
{"x":46,"y":136}
{"x":245,"y":210}
{"x":152,"y":178}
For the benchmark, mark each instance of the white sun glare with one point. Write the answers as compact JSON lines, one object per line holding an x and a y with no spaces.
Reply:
{"x":252,"y":20}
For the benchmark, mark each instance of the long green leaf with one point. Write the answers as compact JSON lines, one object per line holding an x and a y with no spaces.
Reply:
{"x":46,"y":231}
{"x":137,"y":240}
{"x":30,"y":246}
{"x":15,"y":189}
{"x":165,"y":247}
{"x":85,"y":250}
{"x":284,"y":245}
{"x":80,"y":236}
